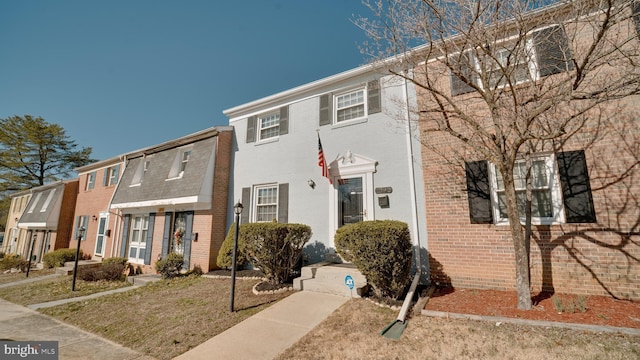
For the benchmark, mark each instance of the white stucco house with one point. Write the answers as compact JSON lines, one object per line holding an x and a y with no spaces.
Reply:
{"x":372,"y":154}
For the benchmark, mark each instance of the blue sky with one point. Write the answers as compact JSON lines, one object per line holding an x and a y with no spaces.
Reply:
{"x":121,"y":75}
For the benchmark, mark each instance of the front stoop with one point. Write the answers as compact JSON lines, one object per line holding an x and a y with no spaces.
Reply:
{"x":67,"y":269}
{"x":329,"y":278}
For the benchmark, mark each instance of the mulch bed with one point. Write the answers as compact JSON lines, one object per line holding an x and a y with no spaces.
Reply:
{"x":252,"y":274}
{"x":600,"y":310}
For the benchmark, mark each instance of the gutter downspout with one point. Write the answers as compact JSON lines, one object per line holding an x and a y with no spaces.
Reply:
{"x":394,"y":330}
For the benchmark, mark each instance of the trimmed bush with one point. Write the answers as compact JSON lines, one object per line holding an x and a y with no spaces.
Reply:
{"x":58,"y":257}
{"x":275,"y":248}
{"x":115,"y":260}
{"x":170,"y":266}
{"x":108,"y":272}
{"x":9,"y":262}
{"x":381,"y":250}
{"x":225,"y":254}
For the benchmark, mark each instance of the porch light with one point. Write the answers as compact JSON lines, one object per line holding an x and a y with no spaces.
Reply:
{"x":237,"y":209}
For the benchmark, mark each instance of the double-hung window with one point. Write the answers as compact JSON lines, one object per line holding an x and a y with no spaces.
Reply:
{"x":266,"y":203}
{"x":513,"y":63}
{"x":185,"y":159}
{"x":546,"y":199}
{"x":138,"y":244}
{"x":91,"y":180}
{"x":111,"y":175}
{"x":350,"y":105}
{"x":269,"y":126}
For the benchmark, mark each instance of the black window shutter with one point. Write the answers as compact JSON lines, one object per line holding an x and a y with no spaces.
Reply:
{"x":552,"y":50}
{"x":325,"y":109}
{"x":187,"y":239}
{"x":246,"y":203}
{"x":251,"y":129}
{"x":284,"y":120}
{"x":479,"y":192}
{"x":458,"y":86}
{"x":283,"y":203}
{"x":85,"y":222}
{"x":125,"y":236}
{"x":373,"y":97}
{"x":166,"y":235}
{"x":576,"y":189}
{"x":105,"y":176}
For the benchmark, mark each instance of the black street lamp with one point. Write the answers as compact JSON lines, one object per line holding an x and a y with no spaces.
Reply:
{"x":75,"y":266}
{"x":237,"y":209}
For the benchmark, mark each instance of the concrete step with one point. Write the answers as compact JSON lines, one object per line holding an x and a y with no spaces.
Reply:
{"x":144,"y":279}
{"x":67,"y":269}
{"x":330,"y":278}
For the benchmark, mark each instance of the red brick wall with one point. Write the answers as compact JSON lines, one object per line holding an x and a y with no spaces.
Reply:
{"x":65,"y":220}
{"x":601,"y":258}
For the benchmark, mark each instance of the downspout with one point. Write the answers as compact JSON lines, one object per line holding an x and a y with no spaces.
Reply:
{"x":414,"y":212}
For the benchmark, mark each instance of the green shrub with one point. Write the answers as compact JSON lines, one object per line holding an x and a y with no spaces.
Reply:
{"x":226,"y":250}
{"x":381,"y":250}
{"x":115,"y":260}
{"x":197,"y":271}
{"x":1,"y":255}
{"x":9,"y":262}
{"x":275,"y":248}
{"x":170,"y":266}
{"x":109,"y":272}
{"x":58,"y":257}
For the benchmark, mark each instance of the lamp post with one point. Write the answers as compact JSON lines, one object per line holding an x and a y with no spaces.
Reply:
{"x":75,"y":266}
{"x":237,"y":209}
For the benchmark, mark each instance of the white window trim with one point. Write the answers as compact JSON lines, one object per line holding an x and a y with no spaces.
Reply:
{"x":48,"y":200}
{"x":35,"y":202}
{"x":363,"y":118}
{"x":91,"y":181}
{"x":104,"y":216}
{"x":175,"y":172}
{"x":141,"y":171}
{"x":556,"y":194}
{"x":259,"y":127}
{"x":254,"y":206}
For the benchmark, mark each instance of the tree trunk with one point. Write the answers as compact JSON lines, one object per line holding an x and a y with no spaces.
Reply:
{"x":519,"y":245}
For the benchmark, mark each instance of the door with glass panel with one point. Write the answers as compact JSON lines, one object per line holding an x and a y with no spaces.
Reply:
{"x":101,"y":235}
{"x":351,"y":205}
{"x":138,"y":244}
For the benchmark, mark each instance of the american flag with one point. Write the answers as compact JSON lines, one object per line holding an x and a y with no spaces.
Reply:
{"x":322,"y":162}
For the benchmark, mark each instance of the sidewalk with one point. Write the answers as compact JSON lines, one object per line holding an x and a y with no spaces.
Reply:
{"x":271,"y":331}
{"x":18,"y":323}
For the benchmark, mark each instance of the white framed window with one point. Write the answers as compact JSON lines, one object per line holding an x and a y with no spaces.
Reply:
{"x":350,"y":105}
{"x":47,"y":201}
{"x":111,"y":175}
{"x":180,"y":162}
{"x":268,"y":126}
{"x":266,"y":203}
{"x":546,"y":201}
{"x":138,"y":242}
{"x":519,"y":62}
{"x":184,"y":160}
{"x":140,"y":172}
{"x":34,"y":203}
{"x":91,"y":180}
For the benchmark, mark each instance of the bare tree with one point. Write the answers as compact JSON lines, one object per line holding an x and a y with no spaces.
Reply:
{"x":506,"y":80}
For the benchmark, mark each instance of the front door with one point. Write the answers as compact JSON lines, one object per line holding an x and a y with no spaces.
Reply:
{"x":351,"y":206}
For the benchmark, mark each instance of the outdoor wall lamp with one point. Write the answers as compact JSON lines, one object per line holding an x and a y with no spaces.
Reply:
{"x":81,"y":231}
{"x":312,"y":184}
{"x":94,"y":218}
{"x":237,"y":209}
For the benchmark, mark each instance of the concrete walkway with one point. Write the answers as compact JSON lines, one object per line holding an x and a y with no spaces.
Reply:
{"x":271,"y":331}
{"x":29,"y":280}
{"x":18,"y":323}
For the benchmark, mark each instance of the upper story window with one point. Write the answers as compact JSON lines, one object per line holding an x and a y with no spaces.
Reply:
{"x":91,"y":180}
{"x":52,"y":192}
{"x":266,"y":203}
{"x":35,"y":202}
{"x":545,"y":52}
{"x":350,"y":106}
{"x":269,"y":126}
{"x":180,"y":163}
{"x":141,"y":170}
{"x":111,"y":175}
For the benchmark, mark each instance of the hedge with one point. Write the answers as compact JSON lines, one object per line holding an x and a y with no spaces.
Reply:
{"x":58,"y":257}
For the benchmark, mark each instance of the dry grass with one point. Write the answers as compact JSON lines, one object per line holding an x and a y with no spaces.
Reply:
{"x":55,"y":289}
{"x":166,"y":318}
{"x":352,"y":332}
{"x":12,"y":277}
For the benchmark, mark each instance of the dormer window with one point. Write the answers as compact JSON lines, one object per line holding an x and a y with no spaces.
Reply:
{"x":48,"y":200}
{"x":180,"y":163}
{"x":141,"y":171}
{"x":184,"y":161}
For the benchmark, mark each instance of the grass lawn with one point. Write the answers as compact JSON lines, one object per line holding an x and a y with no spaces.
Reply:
{"x":55,"y":289}
{"x":166,"y":318}
{"x":352,"y":332}
{"x":12,"y":277}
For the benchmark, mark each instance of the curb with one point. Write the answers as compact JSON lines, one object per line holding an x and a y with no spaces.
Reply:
{"x":573,"y":326}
